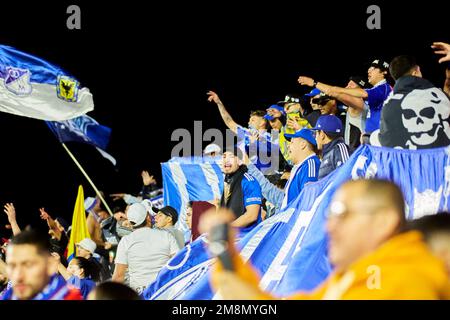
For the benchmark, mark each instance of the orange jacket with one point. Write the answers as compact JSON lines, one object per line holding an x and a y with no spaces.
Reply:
{"x":401,"y":268}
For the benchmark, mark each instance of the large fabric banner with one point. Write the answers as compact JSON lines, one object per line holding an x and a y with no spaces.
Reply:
{"x":289,"y":250}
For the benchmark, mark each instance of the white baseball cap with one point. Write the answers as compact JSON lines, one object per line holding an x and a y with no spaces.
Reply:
{"x":210,"y":148}
{"x":148,"y":205}
{"x":87,"y":244}
{"x":137,"y":213}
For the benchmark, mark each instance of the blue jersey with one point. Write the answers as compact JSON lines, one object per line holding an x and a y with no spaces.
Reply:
{"x":264,"y":146}
{"x":376,"y":97}
{"x":301,"y":174}
{"x":251,"y":192}
{"x":84,"y":285}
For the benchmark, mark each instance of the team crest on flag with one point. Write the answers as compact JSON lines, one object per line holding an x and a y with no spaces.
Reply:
{"x":18,"y":81}
{"x":67,"y":88}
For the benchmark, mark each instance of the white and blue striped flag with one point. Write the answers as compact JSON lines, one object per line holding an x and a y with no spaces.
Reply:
{"x":190,"y":179}
{"x":32,"y":87}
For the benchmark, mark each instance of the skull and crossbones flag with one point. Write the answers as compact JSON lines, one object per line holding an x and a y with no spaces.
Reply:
{"x":415,"y":116}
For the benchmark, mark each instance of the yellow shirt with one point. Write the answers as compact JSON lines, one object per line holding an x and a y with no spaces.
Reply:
{"x":401,"y":268}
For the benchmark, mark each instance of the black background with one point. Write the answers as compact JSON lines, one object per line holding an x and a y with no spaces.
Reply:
{"x":150,"y":65}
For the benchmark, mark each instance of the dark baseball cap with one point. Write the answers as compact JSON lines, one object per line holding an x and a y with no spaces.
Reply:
{"x":290,"y":98}
{"x":359,"y":81}
{"x":168,"y":211}
{"x":380,"y":64}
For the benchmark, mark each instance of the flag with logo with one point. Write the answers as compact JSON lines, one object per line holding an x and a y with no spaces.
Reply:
{"x":79,"y":225}
{"x":32,"y":87}
{"x":83,"y":129}
{"x":289,"y":250}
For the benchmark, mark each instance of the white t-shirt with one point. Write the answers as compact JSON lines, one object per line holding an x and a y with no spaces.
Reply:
{"x":145,"y":251}
{"x":178,"y":235}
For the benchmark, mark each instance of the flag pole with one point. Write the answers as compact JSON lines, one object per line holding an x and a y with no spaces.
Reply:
{"x":88,"y":179}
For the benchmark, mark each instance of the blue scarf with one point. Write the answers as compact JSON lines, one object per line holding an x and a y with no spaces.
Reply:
{"x":55,"y":290}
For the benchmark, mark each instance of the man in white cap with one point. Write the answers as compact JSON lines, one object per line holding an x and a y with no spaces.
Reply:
{"x":212,"y":150}
{"x":144,"y":251}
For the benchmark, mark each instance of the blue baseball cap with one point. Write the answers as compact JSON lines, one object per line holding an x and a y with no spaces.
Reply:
{"x":314,"y":92}
{"x":276,"y":107}
{"x":329,"y":123}
{"x":306,"y":134}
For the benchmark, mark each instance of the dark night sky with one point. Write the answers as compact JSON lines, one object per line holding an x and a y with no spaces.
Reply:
{"x":152,"y":65}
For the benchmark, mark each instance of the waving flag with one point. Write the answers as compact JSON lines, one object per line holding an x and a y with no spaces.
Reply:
{"x":83,"y":129}
{"x":289,"y":250}
{"x":79,"y":225}
{"x":34,"y":88}
{"x":190,"y":179}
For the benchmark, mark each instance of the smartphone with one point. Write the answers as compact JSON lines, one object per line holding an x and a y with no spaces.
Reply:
{"x":218,"y":245}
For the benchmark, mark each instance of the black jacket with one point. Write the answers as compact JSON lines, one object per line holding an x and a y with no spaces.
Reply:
{"x":334,"y":154}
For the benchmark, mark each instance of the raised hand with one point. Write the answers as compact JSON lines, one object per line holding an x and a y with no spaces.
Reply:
{"x":442,"y":48}
{"x":10,"y":212}
{"x":44,"y":215}
{"x":306,"y":81}
{"x":56,"y":256}
{"x":147,"y":179}
{"x":212,"y":96}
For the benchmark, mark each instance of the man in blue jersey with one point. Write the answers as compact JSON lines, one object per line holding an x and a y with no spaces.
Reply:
{"x":241,"y":194}
{"x":329,"y":140}
{"x":373,"y":98}
{"x":257,"y":130}
{"x":302,"y":152}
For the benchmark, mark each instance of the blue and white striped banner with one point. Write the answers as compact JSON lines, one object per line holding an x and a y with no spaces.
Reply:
{"x":190,"y":179}
{"x":289,"y":250}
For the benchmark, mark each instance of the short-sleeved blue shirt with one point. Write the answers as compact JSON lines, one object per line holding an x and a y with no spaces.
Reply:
{"x":252,"y":194}
{"x":307,"y":171}
{"x":376,"y":97}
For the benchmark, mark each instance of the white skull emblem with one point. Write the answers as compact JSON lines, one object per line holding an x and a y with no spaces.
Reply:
{"x":424,"y":113}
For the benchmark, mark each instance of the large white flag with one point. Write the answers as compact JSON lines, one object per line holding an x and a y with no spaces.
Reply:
{"x":34,"y":88}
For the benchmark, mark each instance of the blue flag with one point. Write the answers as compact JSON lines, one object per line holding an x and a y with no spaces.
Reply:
{"x":190,"y":179}
{"x":83,"y":129}
{"x":289,"y":250}
{"x":32,"y":87}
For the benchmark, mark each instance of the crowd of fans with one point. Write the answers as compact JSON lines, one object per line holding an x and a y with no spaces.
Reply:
{"x":317,"y":134}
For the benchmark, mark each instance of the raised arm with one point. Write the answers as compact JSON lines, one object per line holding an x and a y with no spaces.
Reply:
{"x":442,"y":48}
{"x":50,"y":222}
{"x":226,"y":117}
{"x":11,"y":213}
{"x":61,"y":269}
{"x":349,"y":101}
{"x":331,"y":90}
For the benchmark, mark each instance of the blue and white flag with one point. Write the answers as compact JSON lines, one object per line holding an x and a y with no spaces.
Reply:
{"x":83,"y":129}
{"x":190,"y":179}
{"x":34,"y":88}
{"x":289,"y":250}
